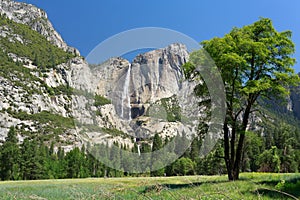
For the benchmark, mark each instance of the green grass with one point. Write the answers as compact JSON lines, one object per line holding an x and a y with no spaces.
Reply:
{"x":251,"y":186}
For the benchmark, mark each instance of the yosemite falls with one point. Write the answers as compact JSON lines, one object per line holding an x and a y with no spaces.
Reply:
{"x":125,"y":105}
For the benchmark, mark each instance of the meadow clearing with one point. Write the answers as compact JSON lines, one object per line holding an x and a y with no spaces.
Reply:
{"x":250,"y":186}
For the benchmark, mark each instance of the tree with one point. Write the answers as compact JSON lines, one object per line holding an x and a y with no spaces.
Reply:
{"x":33,"y":160}
{"x":157,"y":142}
{"x":10,"y":157}
{"x":115,"y":158}
{"x":74,"y":163}
{"x":184,"y":166}
{"x":156,"y":157}
{"x":252,"y":149}
{"x":195,"y":149}
{"x":269,"y":160}
{"x":61,"y":165}
{"x":254,"y":61}
{"x":212,"y":163}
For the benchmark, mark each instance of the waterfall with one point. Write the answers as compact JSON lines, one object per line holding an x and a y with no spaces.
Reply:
{"x":139,"y":150}
{"x":126,"y":96}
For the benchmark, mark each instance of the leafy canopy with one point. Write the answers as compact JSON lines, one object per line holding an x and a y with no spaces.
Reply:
{"x":254,"y":60}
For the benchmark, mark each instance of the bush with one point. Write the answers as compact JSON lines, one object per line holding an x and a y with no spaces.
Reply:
{"x":101,"y":101}
{"x":172,"y":108}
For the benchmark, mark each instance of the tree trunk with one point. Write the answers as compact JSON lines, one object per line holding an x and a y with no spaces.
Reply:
{"x":239,"y":150}
{"x":226,"y":152}
{"x":233,"y":156}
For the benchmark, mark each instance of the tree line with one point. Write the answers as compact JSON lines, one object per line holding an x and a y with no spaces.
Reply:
{"x":33,"y":159}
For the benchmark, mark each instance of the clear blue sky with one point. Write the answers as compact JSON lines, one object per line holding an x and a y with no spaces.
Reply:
{"x":84,"y":24}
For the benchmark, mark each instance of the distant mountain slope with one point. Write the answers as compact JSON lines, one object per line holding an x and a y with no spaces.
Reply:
{"x":36,"y":19}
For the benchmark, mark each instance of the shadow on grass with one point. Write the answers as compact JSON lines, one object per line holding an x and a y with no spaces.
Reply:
{"x":275,"y":194}
{"x":275,"y":182}
{"x":289,"y":186}
{"x":290,"y":189}
{"x":159,"y":187}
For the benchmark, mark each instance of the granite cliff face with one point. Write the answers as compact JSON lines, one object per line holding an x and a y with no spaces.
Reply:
{"x":151,"y":76}
{"x":134,"y":88}
{"x":157,"y":74}
{"x":35,"y":93}
{"x":295,"y":101}
{"x":46,"y":100}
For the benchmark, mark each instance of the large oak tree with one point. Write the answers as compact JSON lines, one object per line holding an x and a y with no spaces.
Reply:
{"x":254,"y":61}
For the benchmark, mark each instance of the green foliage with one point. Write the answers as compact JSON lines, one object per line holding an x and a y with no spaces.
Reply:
{"x":254,"y":61}
{"x":254,"y":145}
{"x":10,"y":156}
{"x":46,"y":117}
{"x":183,"y":166}
{"x":283,"y":132}
{"x":33,"y":160}
{"x":269,"y":160}
{"x":75,"y":164}
{"x":101,"y":101}
{"x":52,"y":124}
{"x":157,"y":142}
{"x":188,"y":69}
{"x":62,"y":89}
{"x":35,"y":46}
{"x":195,"y":149}
{"x":291,"y":187}
{"x":172,"y":109}
{"x":113,"y":131}
{"x":115,"y":158}
{"x":18,"y":75}
{"x":213,"y":163}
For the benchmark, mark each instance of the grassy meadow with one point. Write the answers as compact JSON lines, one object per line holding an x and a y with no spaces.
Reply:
{"x":251,"y":186}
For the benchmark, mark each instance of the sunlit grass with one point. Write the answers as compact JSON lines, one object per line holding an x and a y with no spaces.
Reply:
{"x":251,"y":186}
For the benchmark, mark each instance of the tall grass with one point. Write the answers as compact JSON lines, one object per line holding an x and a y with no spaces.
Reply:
{"x":251,"y":186}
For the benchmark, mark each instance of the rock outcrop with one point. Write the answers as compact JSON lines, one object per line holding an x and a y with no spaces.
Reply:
{"x":295,"y":100}
{"x":134,"y":89}
{"x":152,"y":76}
{"x":35,"y":18}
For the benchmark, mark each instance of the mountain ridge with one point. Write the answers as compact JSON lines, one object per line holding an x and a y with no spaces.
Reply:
{"x":36,"y":19}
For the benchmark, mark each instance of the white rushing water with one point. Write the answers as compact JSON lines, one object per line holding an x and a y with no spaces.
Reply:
{"x":126,"y":97}
{"x":139,"y":150}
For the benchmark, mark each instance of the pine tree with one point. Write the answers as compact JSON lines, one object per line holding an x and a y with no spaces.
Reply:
{"x":115,"y":158}
{"x":10,"y":157}
{"x":195,"y":150}
{"x":33,"y":160}
{"x":84,"y":172}
{"x":61,"y":172}
{"x":73,"y":163}
{"x":157,"y":142}
{"x":156,"y":163}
